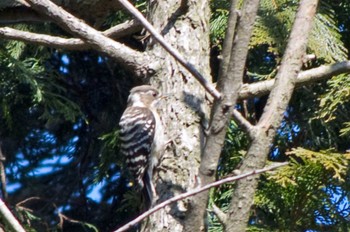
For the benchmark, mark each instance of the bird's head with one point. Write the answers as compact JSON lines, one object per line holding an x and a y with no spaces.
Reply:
{"x":144,"y":96}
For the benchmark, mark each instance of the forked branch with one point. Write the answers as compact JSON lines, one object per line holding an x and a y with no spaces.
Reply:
{"x":137,"y":62}
{"x":272,"y":116}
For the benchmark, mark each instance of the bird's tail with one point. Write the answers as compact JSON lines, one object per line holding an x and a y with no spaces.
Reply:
{"x":148,"y":191}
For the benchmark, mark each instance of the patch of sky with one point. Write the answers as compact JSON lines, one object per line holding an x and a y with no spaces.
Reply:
{"x":63,"y":70}
{"x":69,"y":149}
{"x":63,"y":208}
{"x":339,"y":197}
{"x":296,"y":128}
{"x":100,"y":60}
{"x":13,"y":187}
{"x":115,"y":177}
{"x":56,"y":160}
{"x":95,"y":192}
{"x":110,"y":200}
{"x":275,"y":153}
{"x":21,"y":160}
{"x":339,"y":205}
{"x":65,"y":59}
{"x":77,"y":125}
{"x":47,"y":137}
{"x":41,"y":171}
{"x":58,"y":156}
{"x":14,"y":169}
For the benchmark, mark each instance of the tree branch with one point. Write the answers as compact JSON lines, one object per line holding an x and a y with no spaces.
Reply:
{"x":136,"y":62}
{"x":9,"y":218}
{"x":196,"y":191}
{"x":115,"y":32}
{"x":229,"y":83}
{"x":172,"y":51}
{"x":271,"y":119}
{"x":219,"y":214}
{"x":3,"y":174}
{"x":127,"y":28}
{"x":244,"y":123}
{"x":305,"y":77}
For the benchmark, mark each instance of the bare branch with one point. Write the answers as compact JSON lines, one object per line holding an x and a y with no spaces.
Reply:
{"x":220,"y":214}
{"x":290,"y":67}
{"x":136,"y":62}
{"x":3,"y":174}
{"x":270,"y":120}
{"x":229,"y":83}
{"x":127,"y":28}
{"x":172,"y":51}
{"x":9,"y":218}
{"x":244,"y":123}
{"x":28,"y":200}
{"x":228,"y":42}
{"x":305,"y":77}
{"x":40,"y":39}
{"x":196,"y":191}
{"x":63,"y":43}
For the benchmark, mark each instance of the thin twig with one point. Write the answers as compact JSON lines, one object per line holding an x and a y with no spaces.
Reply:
{"x":196,"y":191}
{"x":172,"y":51}
{"x":19,"y":204}
{"x":9,"y":218}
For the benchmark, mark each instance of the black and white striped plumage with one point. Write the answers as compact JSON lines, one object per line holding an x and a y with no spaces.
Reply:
{"x":141,"y":135}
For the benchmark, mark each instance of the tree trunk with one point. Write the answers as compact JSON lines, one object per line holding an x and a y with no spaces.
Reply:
{"x":185,"y":25}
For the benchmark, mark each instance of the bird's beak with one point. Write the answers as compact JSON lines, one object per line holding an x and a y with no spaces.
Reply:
{"x":164,"y":96}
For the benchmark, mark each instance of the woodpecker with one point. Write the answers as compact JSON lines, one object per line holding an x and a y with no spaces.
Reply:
{"x":142,"y":137}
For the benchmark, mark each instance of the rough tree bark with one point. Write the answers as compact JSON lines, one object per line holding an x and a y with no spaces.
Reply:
{"x":185,"y":25}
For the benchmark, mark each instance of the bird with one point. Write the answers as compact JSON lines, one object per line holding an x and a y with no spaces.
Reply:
{"x":142,"y":137}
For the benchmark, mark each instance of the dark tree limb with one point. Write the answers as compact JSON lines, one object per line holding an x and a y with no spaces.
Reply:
{"x":3,"y":174}
{"x":91,"y":11}
{"x":115,"y":32}
{"x":229,"y":82}
{"x":271,"y":119}
{"x":140,"y":64}
{"x":19,"y":15}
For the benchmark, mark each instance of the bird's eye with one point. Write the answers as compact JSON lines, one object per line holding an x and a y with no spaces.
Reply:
{"x":154,"y":94}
